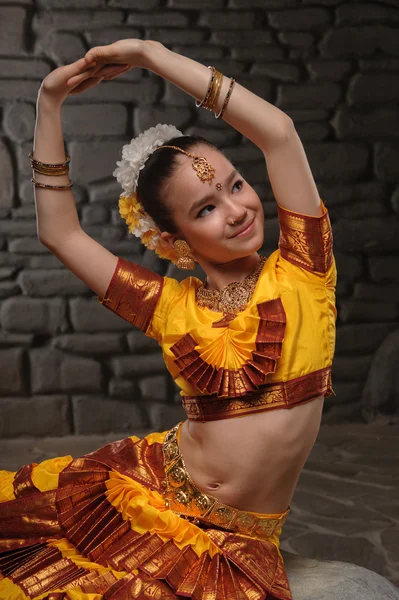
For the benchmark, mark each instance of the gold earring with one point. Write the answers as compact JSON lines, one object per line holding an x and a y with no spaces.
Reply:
{"x":184,"y":261}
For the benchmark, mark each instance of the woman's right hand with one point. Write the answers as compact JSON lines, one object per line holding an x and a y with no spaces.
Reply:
{"x":74,"y":78}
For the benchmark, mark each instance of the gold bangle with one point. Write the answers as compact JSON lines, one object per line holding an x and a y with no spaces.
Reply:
{"x":51,"y":165}
{"x":51,"y":187}
{"x":205,"y":99}
{"x":46,"y":171}
{"x":226,"y":100}
{"x":215,"y":92}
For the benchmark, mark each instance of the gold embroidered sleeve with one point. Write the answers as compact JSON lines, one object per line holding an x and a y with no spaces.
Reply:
{"x":133,"y":294}
{"x":306,"y":241}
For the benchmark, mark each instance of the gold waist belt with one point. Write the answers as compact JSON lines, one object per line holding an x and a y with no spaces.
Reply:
{"x":187,"y":500}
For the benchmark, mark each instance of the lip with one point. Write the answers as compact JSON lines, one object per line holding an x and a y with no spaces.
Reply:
{"x":245,"y":230}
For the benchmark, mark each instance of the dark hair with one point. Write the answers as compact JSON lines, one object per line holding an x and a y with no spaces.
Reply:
{"x":159,"y":167}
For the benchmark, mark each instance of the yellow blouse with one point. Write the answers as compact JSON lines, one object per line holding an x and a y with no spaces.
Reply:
{"x":275,"y":353}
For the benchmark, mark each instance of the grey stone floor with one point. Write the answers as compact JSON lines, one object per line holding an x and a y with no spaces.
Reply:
{"x":345,"y":507}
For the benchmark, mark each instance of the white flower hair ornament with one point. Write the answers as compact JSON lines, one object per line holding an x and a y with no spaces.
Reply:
{"x":134,"y":156}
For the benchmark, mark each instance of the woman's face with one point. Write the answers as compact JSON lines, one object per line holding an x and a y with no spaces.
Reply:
{"x":204,"y":215}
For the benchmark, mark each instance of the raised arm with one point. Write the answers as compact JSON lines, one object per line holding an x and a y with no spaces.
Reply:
{"x":268,"y":127}
{"x":58,"y":223}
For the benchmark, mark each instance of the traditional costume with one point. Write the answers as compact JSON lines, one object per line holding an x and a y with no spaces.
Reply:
{"x":127,"y":520}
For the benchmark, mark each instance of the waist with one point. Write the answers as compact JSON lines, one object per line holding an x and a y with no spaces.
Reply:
{"x":185,"y":499}
{"x":280,"y":394}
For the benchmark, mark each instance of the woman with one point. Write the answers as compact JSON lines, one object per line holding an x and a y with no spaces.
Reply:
{"x":196,"y":511}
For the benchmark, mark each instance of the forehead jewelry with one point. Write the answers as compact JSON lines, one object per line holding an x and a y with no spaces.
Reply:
{"x":203,"y":168}
{"x":219,"y":187}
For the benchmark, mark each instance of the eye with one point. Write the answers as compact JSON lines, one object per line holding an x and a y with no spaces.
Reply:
{"x":205,"y":207}
{"x":239,"y":182}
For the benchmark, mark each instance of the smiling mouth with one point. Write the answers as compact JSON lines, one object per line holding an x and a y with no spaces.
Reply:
{"x":244,"y":231}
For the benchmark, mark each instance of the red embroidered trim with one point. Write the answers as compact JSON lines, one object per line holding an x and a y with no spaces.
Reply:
{"x":229,"y":382}
{"x":133,"y":293}
{"x":23,"y":483}
{"x":306,"y":241}
{"x":281,"y":394}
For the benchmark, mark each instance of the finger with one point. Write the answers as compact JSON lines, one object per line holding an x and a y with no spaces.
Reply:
{"x":85,"y":85}
{"x":78,"y":66}
{"x":101,"y":53}
{"x":114,"y":75}
{"x":76,"y":79}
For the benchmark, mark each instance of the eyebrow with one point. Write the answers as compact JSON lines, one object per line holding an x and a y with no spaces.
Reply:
{"x":210,"y":196}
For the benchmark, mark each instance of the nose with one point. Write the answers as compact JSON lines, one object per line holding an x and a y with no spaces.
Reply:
{"x":236,"y":213}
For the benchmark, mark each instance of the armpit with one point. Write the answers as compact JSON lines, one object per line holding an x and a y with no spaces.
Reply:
{"x":306,"y":241}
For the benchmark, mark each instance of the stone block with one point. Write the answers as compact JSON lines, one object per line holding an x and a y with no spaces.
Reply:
{"x":350,"y":368}
{"x":205,"y":4}
{"x":6,"y":177}
{"x":363,"y":311}
{"x":62,"y":46}
{"x":94,"y":119}
{"x":94,"y":215}
{"x":54,"y":371}
{"x":138,"y":342}
{"x":109,"y":35}
{"x":386,"y":156}
{"x":239,"y":39}
{"x":154,"y":388}
{"x":89,"y":315}
{"x":19,"y":121}
{"x":170,"y":36}
{"x":75,"y":20}
{"x":377,"y":234}
{"x":145,"y":117}
{"x":300,"y":19}
{"x":359,"y":41}
{"x":8,"y":340}
{"x":319,"y":95}
{"x":264,"y":53}
{"x":361,"y":338}
{"x":95,"y":414}
{"x":158,"y":18}
{"x":18,"y":228}
{"x":90,"y":344}
{"x":12,"y":36}
{"x":132,"y":367}
{"x":381,"y":391}
{"x":124,"y":389}
{"x":365,"y":12}
{"x":384,"y":268}
{"x":11,"y":90}
{"x":165,"y":416}
{"x":380,"y":88}
{"x":363,"y":290}
{"x":230,"y":20}
{"x":12,"y":377}
{"x":28,"y":246}
{"x":350,"y":123}
{"x":27,"y":68}
{"x":9,"y":288}
{"x":334,"y":70}
{"x":50,"y":282}
{"x":36,"y":416}
{"x":296,"y":39}
{"x":33,"y":315}
{"x":280,"y":71}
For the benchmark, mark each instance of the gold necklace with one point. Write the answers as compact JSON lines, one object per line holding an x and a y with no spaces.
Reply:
{"x":234,"y":297}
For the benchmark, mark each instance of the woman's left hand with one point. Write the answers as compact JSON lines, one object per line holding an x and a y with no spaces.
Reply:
{"x":100,"y":72}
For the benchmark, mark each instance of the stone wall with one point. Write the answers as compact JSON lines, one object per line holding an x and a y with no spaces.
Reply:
{"x":67,"y":365}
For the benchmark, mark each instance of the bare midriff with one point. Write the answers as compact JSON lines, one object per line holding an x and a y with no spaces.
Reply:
{"x":252,"y":462}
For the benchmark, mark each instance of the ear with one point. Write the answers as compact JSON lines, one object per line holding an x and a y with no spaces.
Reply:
{"x":169,"y":237}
